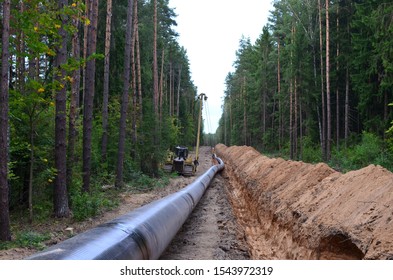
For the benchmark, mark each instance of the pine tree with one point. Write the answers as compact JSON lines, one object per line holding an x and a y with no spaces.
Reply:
{"x":328,"y":97}
{"x":104,"y":142}
{"x":125,"y":97}
{"x":5,"y":230}
{"x":74,"y":102}
{"x":60,"y":194}
{"x":88,"y":100}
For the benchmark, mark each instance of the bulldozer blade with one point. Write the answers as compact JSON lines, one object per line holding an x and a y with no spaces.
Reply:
{"x":188,"y":170}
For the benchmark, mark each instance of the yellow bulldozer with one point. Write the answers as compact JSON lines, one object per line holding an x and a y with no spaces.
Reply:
{"x":180,"y":160}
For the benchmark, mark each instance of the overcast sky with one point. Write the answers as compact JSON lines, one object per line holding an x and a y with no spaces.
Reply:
{"x":210,"y":31}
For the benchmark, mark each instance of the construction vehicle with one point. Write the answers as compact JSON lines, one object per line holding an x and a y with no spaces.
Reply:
{"x":181,"y":161}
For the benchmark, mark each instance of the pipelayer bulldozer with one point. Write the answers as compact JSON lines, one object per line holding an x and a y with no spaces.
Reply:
{"x":180,"y":161}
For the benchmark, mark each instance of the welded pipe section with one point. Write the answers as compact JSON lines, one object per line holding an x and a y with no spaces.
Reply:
{"x":140,"y":234}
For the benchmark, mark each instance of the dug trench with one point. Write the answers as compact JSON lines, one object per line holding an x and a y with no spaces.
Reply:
{"x":295,"y":210}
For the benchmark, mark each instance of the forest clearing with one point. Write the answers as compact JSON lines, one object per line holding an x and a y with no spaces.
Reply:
{"x":94,"y":95}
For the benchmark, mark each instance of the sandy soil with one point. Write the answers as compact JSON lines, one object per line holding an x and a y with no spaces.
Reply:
{"x":294,"y":210}
{"x":210,"y":233}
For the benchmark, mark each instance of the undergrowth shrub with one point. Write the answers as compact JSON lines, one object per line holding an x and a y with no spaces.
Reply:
{"x":27,"y":239}
{"x":311,"y":153}
{"x":142,"y":183}
{"x":86,"y":205}
{"x":370,"y":150}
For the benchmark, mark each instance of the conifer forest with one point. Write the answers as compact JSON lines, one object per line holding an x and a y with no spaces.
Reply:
{"x":95,"y":93}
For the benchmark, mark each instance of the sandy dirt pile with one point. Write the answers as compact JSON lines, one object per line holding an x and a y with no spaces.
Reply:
{"x":295,"y":210}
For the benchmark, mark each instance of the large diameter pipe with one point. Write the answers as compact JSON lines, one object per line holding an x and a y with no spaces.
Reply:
{"x":140,"y":234}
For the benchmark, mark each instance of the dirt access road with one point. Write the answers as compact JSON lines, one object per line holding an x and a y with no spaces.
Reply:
{"x":211,"y":232}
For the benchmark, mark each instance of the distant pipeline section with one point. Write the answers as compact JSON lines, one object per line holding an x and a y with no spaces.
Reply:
{"x":140,"y":234}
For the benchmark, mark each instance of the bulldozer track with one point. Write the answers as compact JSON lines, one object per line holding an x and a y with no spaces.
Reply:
{"x":167,"y":168}
{"x":188,"y":170}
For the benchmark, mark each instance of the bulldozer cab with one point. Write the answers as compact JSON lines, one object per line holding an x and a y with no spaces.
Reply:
{"x":181,"y":152}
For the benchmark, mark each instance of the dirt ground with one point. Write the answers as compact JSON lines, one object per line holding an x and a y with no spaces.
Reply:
{"x":211,"y":232}
{"x":295,"y":210}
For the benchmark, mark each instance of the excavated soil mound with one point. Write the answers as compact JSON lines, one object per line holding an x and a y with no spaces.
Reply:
{"x":295,"y":210}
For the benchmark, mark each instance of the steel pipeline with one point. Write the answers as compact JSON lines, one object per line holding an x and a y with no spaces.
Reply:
{"x":140,"y":234}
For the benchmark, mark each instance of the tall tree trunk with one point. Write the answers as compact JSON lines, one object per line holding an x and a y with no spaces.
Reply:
{"x":178,"y":93}
{"x":155,"y":63}
{"x":89,"y":95}
{"x":346,"y":132}
{"x":337,"y":83}
{"x":291,"y":118}
{"x":328,"y":105}
{"x":5,"y":231}
{"x":88,"y":10}
{"x":134,"y":87}
{"x":20,"y":61}
{"x":323,"y":107}
{"x":295,"y":119}
{"x":264,"y":93}
{"x":244,"y":96}
{"x":230,"y":117}
{"x":280,"y":122}
{"x":300,"y":129}
{"x":170,"y":88}
{"x":31,"y":168}
{"x":74,"y":104}
{"x":138,"y":66}
{"x":225,"y":111}
{"x":291,"y":99}
{"x":161,"y":84}
{"x":125,"y":98}
{"x":60,"y":195}
{"x":105,"y":98}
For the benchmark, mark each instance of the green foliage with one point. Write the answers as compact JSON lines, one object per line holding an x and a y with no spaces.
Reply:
{"x":32,"y":133}
{"x":171,"y":132}
{"x":189,"y":128}
{"x":85,"y":205}
{"x":368,"y":151}
{"x":42,"y":208}
{"x":143,"y":183}
{"x":31,"y":239}
{"x":311,"y":152}
{"x":27,"y":239}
